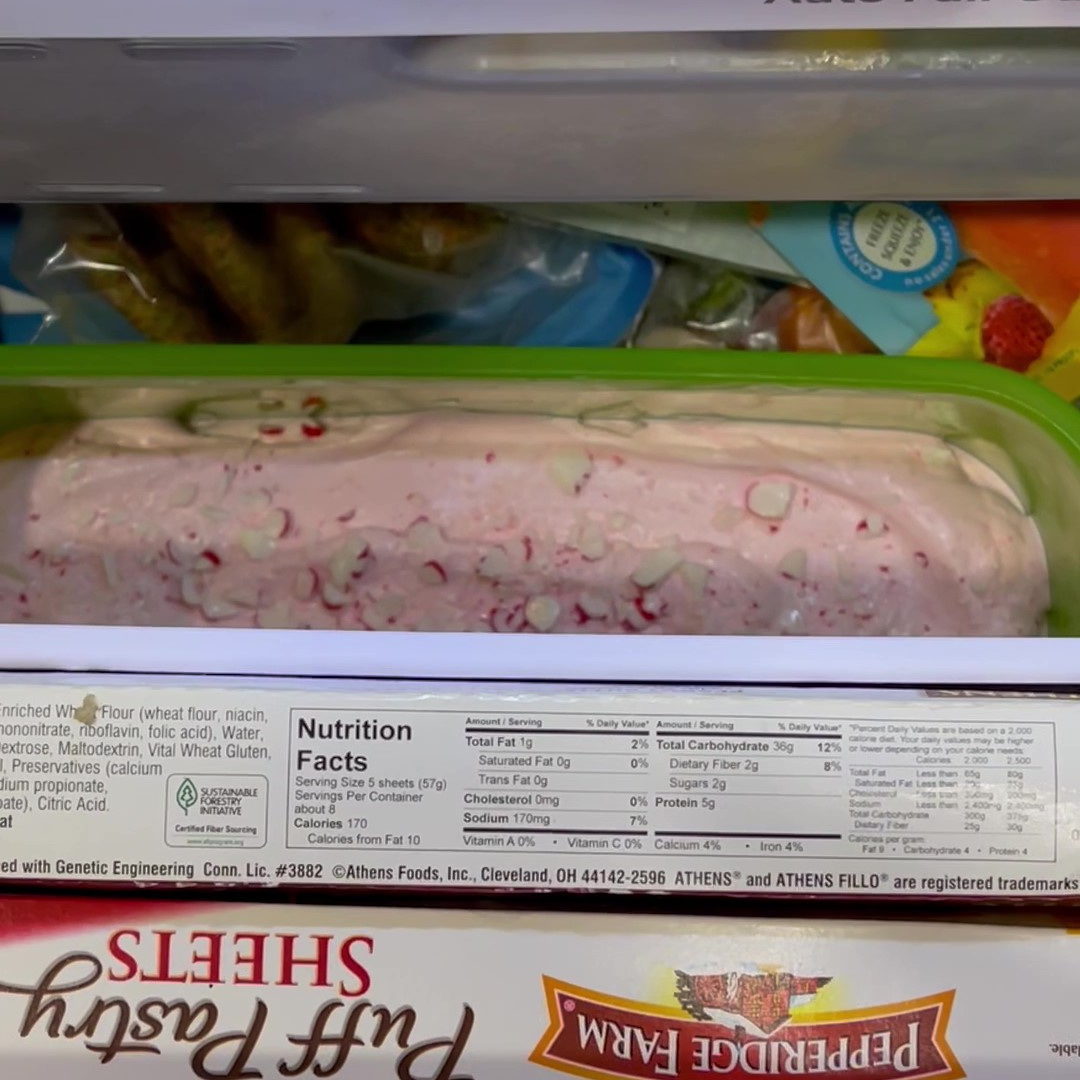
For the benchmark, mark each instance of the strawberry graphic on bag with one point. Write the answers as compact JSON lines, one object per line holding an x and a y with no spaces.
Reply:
{"x":1014,"y":333}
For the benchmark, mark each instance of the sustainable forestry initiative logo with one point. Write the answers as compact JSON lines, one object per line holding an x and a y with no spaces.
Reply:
{"x":187,"y":795}
{"x":222,"y":810}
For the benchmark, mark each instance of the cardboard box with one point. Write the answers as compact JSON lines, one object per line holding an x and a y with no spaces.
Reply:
{"x":242,"y":992}
{"x":538,"y":787}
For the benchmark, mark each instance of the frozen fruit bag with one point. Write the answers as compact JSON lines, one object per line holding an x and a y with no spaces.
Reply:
{"x":998,"y":282}
{"x":190,"y":274}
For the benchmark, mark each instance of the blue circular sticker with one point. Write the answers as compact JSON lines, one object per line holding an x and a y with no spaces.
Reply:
{"x":899,"y":247}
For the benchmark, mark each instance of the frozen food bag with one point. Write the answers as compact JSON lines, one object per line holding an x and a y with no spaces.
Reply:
{"x":708,"y":232}
{"x":799,"y":319}
{"x":998,"y":282}
{"x":111,"y":277}
{"x":284,"y":274}
{"x":21,"y":315}
{"x":520,"y":284}
{"x":190,"y":274}
{"x":430,"y":236}
{"x":703,"y":306}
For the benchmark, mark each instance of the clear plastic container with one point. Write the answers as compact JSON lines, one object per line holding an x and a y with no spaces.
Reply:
{"x":247,"y":398}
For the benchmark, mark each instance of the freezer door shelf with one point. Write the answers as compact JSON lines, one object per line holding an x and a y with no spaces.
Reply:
{"x":588,"y":117}
{"x":946,"y":662}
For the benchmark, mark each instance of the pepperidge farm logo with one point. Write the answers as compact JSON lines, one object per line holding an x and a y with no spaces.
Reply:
{"x":740,"y":1025}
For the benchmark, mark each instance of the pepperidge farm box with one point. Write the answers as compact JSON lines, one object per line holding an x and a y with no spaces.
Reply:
{"x":113,"y":989}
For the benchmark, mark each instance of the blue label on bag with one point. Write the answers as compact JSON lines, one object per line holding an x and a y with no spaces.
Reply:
{"x":899,"y":247}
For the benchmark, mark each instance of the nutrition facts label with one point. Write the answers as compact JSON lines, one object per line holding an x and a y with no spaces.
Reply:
{"x":893,"y":793}
{"x":744,"y":786}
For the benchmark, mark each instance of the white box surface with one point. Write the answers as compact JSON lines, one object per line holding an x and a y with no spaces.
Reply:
{"x":243,"y":991}
{"x":501,"y":786}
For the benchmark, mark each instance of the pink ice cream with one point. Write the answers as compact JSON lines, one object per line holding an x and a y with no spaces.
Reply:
{"x":459,"y":521}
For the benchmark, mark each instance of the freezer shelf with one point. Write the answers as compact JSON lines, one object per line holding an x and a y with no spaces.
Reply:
{"x":374,"y":18}
{"x":1004,"y":662}
{"x":507,"y":118}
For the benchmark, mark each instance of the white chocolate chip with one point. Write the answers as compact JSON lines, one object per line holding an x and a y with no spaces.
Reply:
{"x":332,"y":596}
{"x":190,"y":591}
{"x":381,"y":614}
{"x":217,"y":610}
{"x":656,"y":567}
{"x":542,"y":612}
{"x":108,"y":565}
{"x":261,"y":499}
{"x":696,"y":577}
{"x":569,"y":470}
{"x":793,"y":564}
{"x":256,"y":543}
{"x":595,"y":606}
{"x":423,"y":536}
{"x":182,"y":552}
{"x":651,"y":606}
{"x":431,"y":573}
{"x":495,"y":564}
{"x":245,"y":596}
{"x":350,"y":560}
{"x":277,"y":523}
{"x":374,"y":619}
{"x":391,"y":605}
{"x":183,"y":495}
{"x":770,"y":499}
{"x":619,"y":522}
{"x":304,"y":584}
{"x":591,"y":541}
{"x":631,"y":615}
{"x":214,"y":513}
{"x":875,"y":525}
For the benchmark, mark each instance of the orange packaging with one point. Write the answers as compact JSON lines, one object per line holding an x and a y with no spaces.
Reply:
{"x":998,"y":282}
